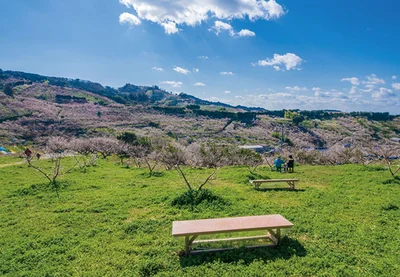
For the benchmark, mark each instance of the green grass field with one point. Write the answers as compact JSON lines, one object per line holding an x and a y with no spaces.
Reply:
{"x":115,"y":221}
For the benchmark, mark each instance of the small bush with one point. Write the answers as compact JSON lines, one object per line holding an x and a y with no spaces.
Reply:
{"x":390,"y":207}
{"x":192,"y":198}
{"x":276,"y":135}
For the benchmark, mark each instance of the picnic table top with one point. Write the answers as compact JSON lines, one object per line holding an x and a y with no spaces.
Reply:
{"x":275,"y":180}
{"x":220,"y":225}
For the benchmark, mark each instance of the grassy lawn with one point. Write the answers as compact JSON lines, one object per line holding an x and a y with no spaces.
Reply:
{"x":6,"y":160}
{"x":114,"y":221}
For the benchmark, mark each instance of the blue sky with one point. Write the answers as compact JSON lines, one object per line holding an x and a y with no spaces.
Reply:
{"x":275,"y":54}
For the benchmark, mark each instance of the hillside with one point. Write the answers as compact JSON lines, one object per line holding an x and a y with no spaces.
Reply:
{"x":39,"y":106}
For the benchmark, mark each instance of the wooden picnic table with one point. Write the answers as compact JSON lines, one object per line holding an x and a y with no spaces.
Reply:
{"x":191,"y":229}
{"x":290,"y":182}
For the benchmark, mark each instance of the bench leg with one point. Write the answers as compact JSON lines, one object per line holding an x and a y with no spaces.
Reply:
{"x":275,"y":236}
{"x":188,"y":243}
{"x":291,"y":185}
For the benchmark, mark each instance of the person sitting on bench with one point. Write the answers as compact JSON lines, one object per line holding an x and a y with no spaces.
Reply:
{"x":278,"y":164}
{"x":290,"y":164}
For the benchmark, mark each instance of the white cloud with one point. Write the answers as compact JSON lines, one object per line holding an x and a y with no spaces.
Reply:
{"x":394,"y":77}
{"x":281,"y":62}
{"x":353,"y":80}
{"x":196,"y":70}
{"x":170,"y":27}
{"x":373,"y":80}
{"x":296,"y":88}
{"x":368,"y":88}
{"x":174,"y":84}
{"x":353,"y":90}
{"x":157,"y":69}
{"x":396,"y":86}
{"x":220,"y":26}
{"x":129,"y":19}
{"x":203,"y":57}
{"x":383,"y":94}
{"x":246,"y":33}
{"x":227,"y":91}
{"x":199,"y":84}
{"x":181,"y":70}
{"x":226,"y":73}
{"x":330,"y":94}
{"x":170,"y":13}
{"x":316,"y":89}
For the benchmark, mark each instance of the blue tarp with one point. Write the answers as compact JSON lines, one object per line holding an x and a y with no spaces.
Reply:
{"x":3,"y":149}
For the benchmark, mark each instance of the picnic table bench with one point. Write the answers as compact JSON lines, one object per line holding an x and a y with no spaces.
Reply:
{"x":290,"y":182}
{"x":191,"y":229}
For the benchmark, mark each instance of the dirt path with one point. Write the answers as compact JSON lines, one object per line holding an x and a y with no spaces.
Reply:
{"x":44,"y":157}
{"x":7,"y":165}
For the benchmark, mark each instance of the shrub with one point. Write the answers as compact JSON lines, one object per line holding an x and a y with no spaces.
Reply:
{"x":276,"y":135}
{"x":192,"y":198}
{"x":8,"y":90}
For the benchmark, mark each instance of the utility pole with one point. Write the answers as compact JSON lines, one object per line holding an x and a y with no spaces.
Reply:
{"x":282,"y":137}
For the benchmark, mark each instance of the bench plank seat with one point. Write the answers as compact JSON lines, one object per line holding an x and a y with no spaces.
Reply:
{"x":191,"y":229}
{"x":290,"y":182}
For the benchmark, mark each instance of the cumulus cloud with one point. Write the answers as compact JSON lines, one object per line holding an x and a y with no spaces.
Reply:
{"x":287,"y":61}
{"x":368,"y":88}
{"x":353,"y":80}
{"x":330,"y":94}
{"x":226,"y":73}
{"x":383,"y":94}
{"x":127,"y":18}
{"x":227,"y":91}
{"x":296,"y":88}
{"x":199,"y":84}
{"x":220,"y":26}
{"x":373,"y":80}
{"x":203,"y":57}
{"x":170,"y":13}
{"x":174,"y":84}
{"x":394,"y":77}
{"x":396,"y":86}
{"x":170,"y":27}
{"x":196,"y":70}
{"x":157,"y":69}
{"x":181,"y":70}
{"x":353,"y":90}
{"x":246,"y":33}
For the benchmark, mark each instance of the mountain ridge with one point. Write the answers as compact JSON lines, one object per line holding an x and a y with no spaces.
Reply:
{"x":34,"y":107}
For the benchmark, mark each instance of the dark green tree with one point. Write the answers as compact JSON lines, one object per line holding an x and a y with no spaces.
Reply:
{"x":128,"y":137}
{"x":8,"y":90}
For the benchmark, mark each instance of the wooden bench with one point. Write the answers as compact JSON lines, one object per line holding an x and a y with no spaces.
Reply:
{"x":290,"y":182}
{"x":191,"y":229}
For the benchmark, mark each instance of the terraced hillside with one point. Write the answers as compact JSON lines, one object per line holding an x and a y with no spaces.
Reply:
{"x":41,"y":106}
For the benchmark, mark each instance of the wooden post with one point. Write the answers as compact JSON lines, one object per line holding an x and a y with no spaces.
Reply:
{"x":187,"y":245}
{"x":278,"y":235}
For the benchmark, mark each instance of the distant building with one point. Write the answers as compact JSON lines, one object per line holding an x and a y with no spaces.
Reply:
{"x":395,"y":139}
{"x":256,"y":148}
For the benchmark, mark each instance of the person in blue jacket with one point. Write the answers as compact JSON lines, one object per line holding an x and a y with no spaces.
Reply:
{"x":278,"y":163}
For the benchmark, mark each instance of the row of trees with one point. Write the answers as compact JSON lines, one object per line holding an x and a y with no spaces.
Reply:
{"x":385,"y":153}
{"x":156,"y":152}
{"x":151,"y":153}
